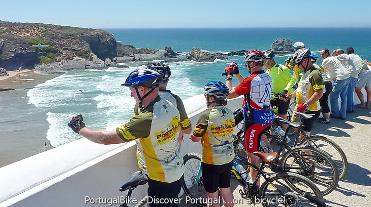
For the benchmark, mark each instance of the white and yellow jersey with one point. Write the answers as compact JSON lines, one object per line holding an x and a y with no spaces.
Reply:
{"x":157,"y":127}
{"x":216,"y":126}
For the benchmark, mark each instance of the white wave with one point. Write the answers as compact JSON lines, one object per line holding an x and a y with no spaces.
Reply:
{"x":59,"y":133}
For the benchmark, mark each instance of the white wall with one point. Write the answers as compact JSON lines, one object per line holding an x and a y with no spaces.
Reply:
{"x":64,"y":176}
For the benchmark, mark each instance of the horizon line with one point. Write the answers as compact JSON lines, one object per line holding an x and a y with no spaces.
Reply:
{"x":320,"y":27}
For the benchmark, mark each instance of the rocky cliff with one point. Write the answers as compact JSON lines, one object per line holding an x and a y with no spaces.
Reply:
{"x":27,"y":44}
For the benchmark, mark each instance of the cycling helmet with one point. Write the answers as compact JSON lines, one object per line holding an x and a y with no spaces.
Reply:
{"x":269,"y":54}
{"x":255,"y":56}
{"x":142,"y":77}
{"x":301,"y":54}
{"x":162,"y":69}
{"x":313,"y":56}
{"x":298,"y":45}
{"x":217,"y":89}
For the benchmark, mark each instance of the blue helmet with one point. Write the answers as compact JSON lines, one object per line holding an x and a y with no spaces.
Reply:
{"x":217,"y":89}
{"x":314,"y":56}
{"x":142,"y":77}
{"x":162,"y":69}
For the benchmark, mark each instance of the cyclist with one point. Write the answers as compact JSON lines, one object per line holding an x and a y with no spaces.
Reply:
{"x":157,"y":127}
{"x":215,"y":129}
{"x":281,"y":83}
{"x":310,"y":87}
{"x":165,"y":73}
{"x":257,"y":91}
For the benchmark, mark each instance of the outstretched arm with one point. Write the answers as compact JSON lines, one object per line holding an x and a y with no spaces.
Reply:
{"x":101,"y":137}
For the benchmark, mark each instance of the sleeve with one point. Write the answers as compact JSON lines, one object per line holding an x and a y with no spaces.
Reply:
{"x":293,"y":80}
{"x":244,"y":87}
{"x":316,"y":80}
{"x":184,"y":120}
{"x":201,"y":126}
{"x":138,"y":127}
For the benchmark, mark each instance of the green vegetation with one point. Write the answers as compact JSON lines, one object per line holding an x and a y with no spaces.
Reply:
{"x":48,"y":58}
{"x":83,"y":54}
{"x":37,"y":41}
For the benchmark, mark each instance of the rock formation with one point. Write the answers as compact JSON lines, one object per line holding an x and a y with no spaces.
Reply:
{"x":205,"y":56}
{"x":282,"y":46}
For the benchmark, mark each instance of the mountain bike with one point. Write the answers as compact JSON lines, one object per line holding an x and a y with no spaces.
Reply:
{"x":280,"y":189}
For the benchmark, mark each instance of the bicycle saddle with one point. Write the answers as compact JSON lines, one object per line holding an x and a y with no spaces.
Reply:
{"x":266,"y":157}
{"x":138,"y":178}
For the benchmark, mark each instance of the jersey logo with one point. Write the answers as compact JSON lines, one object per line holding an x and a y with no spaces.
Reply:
{"x":169,"y":134}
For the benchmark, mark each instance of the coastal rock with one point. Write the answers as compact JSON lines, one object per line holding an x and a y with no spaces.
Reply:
{"x":205,"y":56}
{"x":169,"y":52}
{"x":238,"y":52}
{"x":3,"y":72}
{"x":26,"y":44}
{"x":282,"y":46}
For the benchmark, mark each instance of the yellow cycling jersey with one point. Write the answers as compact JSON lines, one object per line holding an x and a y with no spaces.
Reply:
{"x":216,"y":126}
{"x":310,"y":82}
{"x":157,"y":127}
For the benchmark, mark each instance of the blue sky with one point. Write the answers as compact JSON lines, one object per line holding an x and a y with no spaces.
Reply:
{"x":190,"y":13}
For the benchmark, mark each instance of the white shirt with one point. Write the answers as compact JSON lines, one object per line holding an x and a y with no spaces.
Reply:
{"x":358,"y":63}
{"x":335,"y":70}
{"x":347,"y":62}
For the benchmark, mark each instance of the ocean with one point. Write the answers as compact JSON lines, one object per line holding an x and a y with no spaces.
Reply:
{"x":97,"y":94}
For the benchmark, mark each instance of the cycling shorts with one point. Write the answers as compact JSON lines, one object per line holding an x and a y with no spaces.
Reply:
{"x":216,"y":176}
{"x":160,"y":191}
{"x":252,"y":136}
{"x":281,"y":105}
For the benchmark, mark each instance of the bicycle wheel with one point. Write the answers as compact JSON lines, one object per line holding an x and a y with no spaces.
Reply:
{"x":289,"y":189}
{"x":313,"y":164}
{"x":192,"y":185}
{"x":334,"y":150}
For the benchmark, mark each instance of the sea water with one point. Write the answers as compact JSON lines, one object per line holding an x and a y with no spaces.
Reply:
{"x":104,"y":103}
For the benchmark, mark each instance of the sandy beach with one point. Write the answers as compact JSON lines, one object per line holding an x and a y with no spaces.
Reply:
{"x":22,"y":127}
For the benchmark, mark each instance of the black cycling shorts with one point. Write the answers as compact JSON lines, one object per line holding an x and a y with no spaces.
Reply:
{"x":281,"y":105}
{"x":160,"y":190}
{"x":216,"y":176}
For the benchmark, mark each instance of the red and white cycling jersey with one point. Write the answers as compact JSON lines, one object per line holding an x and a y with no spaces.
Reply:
{"x":257,"y":88}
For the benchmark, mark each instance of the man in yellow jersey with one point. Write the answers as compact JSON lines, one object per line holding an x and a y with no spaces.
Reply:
{"x":310,"y":87}
{"x":215,"y":129}
{"x":157,"y":127}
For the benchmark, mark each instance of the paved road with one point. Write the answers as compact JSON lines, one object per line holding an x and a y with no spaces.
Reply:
{"x":354,"y":137}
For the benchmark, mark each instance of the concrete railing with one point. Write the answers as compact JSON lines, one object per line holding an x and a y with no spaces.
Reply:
{"x":81,"y":172}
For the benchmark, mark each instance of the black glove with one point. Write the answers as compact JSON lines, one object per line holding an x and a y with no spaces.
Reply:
{"x":236,"y":70}
{"x":76,"y":123}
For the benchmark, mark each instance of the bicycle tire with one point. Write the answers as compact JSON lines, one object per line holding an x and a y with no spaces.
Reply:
{"x":319,"y":160}
{"x":192,"y":184}
{"x":295,"y":192}
{"x":342,"y":164}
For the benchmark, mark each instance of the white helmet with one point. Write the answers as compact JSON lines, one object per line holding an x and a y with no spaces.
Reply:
{"x":298,"y":45}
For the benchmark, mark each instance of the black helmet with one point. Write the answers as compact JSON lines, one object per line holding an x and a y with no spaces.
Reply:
{"x":142,"y":77}
{"x":301,"y":54}
{"x":162,"y":69}
{"x":269,"y":54}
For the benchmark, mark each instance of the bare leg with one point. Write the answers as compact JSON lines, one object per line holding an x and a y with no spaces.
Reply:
{"x":227,"y":196}
{"x":214,"y":199}
{"x":360,"y":97}
{"x":253,"y":172}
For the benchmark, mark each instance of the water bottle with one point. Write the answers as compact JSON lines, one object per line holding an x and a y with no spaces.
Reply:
{"x":241,"y":171}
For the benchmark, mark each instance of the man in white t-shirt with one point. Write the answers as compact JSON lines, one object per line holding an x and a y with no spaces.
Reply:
{"x":348,"y":63}
{"x":364,"y":78}
{"x":339,"y":75}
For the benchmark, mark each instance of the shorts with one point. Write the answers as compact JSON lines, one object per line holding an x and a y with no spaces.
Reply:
{"x":364,"y":79}
{"x":216,"y":176}
{"x":281,"y":105}
{"x":252,"y":136}
{"x":160,"y":190}
{"x":308,"y":123}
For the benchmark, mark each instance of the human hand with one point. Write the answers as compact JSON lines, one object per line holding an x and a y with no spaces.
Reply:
{"x":76,"y":123}
{"x":301,"y":107}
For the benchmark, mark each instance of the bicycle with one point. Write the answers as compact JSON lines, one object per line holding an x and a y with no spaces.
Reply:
{"x":304,"y":159}
{"x":138,"y":178}
{"x":316,"y":141}
{"x":289,"y":188}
